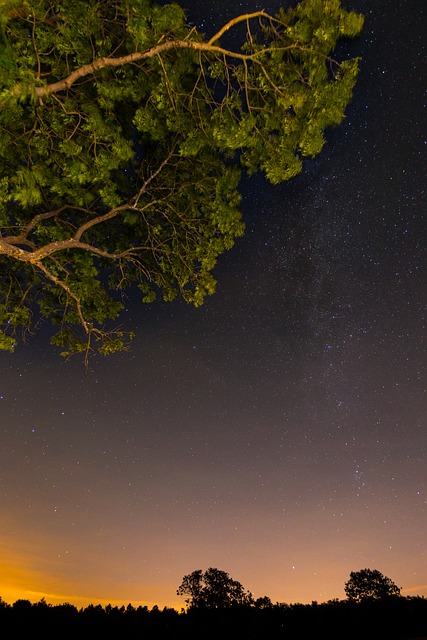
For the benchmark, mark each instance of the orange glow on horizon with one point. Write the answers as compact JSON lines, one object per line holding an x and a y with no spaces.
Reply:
{"x":36,"y":564}
{"x":24,"y":577}
{"x":20,"y":582}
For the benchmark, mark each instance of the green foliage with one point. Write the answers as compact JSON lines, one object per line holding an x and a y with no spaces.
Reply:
{"x":7,"y":343}
{"x":126,"y":172}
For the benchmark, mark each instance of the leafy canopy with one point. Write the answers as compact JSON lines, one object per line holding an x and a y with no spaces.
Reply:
{"x":123,"y":132}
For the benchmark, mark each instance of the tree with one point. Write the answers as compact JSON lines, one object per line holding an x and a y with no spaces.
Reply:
{"x":123,"y":131}
{"x":369,"y":584}
{"x":263,"y":603}
{"x":213,"y":589}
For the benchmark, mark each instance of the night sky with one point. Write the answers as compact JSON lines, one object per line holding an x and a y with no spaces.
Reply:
{"x":279,"y":431}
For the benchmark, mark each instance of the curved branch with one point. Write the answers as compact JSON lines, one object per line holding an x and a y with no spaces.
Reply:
{"x":9,"y":244}
{"x":22,"y":238}
{"x":242,"y":18}
{"x":158,"y":49}
{"x":102,"y":63}
{"x":124,"y":207}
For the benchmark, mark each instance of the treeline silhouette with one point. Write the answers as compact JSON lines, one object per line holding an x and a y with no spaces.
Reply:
{"x":394,"y":618}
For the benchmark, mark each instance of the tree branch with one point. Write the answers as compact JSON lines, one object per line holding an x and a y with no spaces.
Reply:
{"x":132,"y":204}
{"x":157,"y":50}
{"x":22,"y":238}
{"x":242,"y":18}
{"x":87,"y":328}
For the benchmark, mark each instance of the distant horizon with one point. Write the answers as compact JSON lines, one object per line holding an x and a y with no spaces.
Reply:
{"x":84,"y":601}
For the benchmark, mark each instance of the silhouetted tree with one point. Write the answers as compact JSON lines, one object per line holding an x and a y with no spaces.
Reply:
{"x":22,"y":605}
{"x":263,"y":603}
{"x":369,"y":584}
{"x":213,"y":589}
{"x":391,"y":618}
